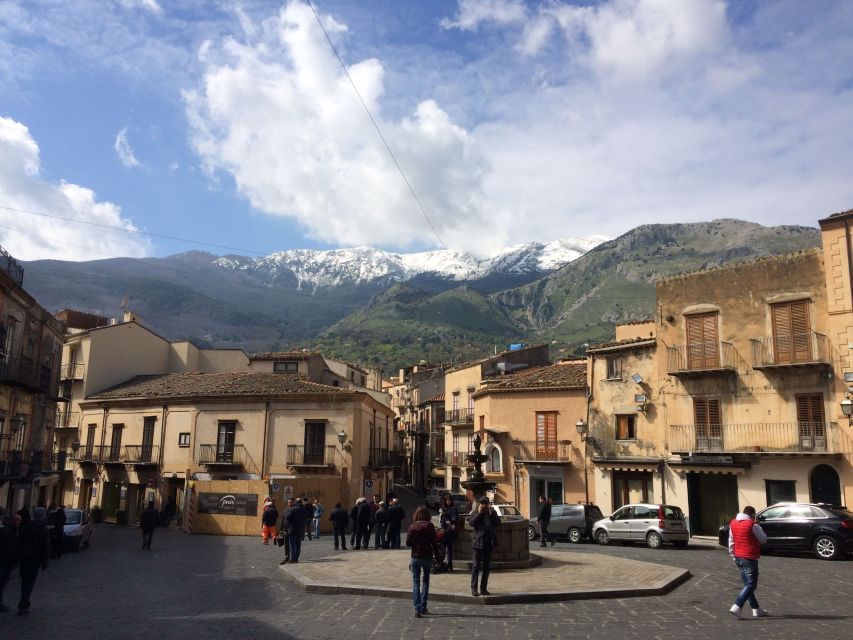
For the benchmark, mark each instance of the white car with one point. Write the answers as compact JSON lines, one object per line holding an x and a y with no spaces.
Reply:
{"x":77,"y":530}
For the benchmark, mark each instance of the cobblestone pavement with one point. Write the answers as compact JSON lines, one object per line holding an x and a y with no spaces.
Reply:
{"x":207,"y":587}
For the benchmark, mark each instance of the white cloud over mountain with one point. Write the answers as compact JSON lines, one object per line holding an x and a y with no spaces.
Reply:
{"x":23,"y":190}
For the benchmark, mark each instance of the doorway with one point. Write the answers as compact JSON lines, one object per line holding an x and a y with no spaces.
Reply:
{"x":824,"y":485}
{"x":110,"y":500}
{"x":548,"y":487}
{"x":712,"y":501}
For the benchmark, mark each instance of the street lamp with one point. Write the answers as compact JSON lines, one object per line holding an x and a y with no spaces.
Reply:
{"x":342,"y":438}
{"x":847,"y":410}
{"x":583,"y":432}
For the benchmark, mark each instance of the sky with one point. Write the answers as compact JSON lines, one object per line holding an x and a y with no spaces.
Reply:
{"x":234,"y":124}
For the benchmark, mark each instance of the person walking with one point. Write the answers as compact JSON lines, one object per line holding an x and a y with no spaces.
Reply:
{"x":396,"y":515}
{"x":284,"y":529}
{"x":363,"y":519}
{"x":380,"y":519}
{"x":10,"y":550}
{"x":269,"y":518}
{"x":483,"y":541}
{"x":543,"y":520}
{"x":33,"y":550}
{"x":148,"y":522}
{"x":339,"y":519}
{"x":318,"y":515}
{"x":296,"y":519}
{"x":374,"y":507}
{"x":421,"y":537}
{"x":353,"y":516}
{"x":448,"y":517}
{"x":309,"y":516}
{"x":745,"y":539}
{"x":58,"y":531}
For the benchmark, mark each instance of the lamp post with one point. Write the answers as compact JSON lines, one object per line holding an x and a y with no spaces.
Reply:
{"x":847,"y":410}
{"x":583,"y":432}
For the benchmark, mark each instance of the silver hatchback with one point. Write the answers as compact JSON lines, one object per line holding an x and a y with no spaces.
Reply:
{"x":653,"y":524}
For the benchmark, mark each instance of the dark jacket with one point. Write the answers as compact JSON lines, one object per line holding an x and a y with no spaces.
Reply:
{"x":544,"y":512}
{"x":34,"y":543}
{"x":422,"y":539}
{"x":270,"y":516}
{"x":484,"y":525}
{"x":449,"y":516}
{"x":149,"y":520}
{"x":339,"y":518}
{"x":10,"y":547}
{"x":364,"y":515}
{"x":353,"y":515}
{"x":59,"y":520}
{"x":396,"y":514}
{"x":295,"y":518}
{"x":309,"y":511}
{"x":381,"y":517}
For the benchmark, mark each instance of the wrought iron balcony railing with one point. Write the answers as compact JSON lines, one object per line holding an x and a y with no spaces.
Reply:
{"x":67,"y":419}
{"x":795,"y":350}
{"x":222,"y":454}
{"x":459,"y":416}
{"x":771,"y":437}
{"x":72,"y":371}
{"x":534,"y":451}
{"x":297,"y":456}
{"x":701,"y":358}
{"x":383,"y":459}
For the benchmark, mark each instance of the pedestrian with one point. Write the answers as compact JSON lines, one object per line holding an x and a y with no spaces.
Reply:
{"x":396,"y":515}
{"x":380,"y":519}
{"x":284,"y":531}
{"x":363,"y":519}
{"x":10,"y":550}
{"x":374,"y":507}
{"x":483,"y":541}
{"x":148,"y":522}
{"x":421,"y":537}
{"x":339,"y":519}
{"x":318,"y":514}
{"x":353,"y":516}
{"x":544,"y":519}
{"x":745,"y":539}
{"x":308,"y":507}
{"x":33,"y":550}
{"x":58,"y":531}
{"x":448,"y":517}
{"x":296,"y":519}
{"x":269,"y":518}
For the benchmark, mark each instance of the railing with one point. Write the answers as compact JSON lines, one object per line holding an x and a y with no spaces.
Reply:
{"x":141,"y":454}
{"x":297,"y":456}
{"x":773,"y":437}
{"x":383,"y":458}
{"x":16,"y":463}
{"x":58,"y":461}
{"x":67,"y":419}
{"x":435,"y":419}
{"x":11,"y":267}
{"x":458,"y":416}
{"x":87,"y":453}
{"x":533,"y":451}
{"x":225,"y":454}
{"x":18,"y":370}
{"x":72,"y":371}
{"x":700,"y":357}
{"x":456,"y":458}
{"x":799,"y":348}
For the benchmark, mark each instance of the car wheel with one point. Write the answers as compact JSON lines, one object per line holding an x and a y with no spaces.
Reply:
{"x":531,"y":534}
{"x":826,"y":548}
{"x":654,"y":540}
{"x":680,"y":544}
{"x":575,"y":535}
{"x":602,"y":537}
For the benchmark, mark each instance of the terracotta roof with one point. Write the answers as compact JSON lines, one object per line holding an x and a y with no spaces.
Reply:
{"x":555,"y":376}
{"x":213,"y":385}
{"x":439,"y":397}
{"x":622,"y":344}
{"x":283,"y":355}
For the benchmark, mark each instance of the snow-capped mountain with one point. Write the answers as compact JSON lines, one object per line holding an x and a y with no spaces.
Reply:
{"x":363,"y":265}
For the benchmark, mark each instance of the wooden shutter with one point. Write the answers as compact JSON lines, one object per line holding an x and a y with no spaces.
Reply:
{"x":703,"y":349}
{"x":708,"y":420}
{"x":810,"y":414}
{"x":791,"y":332}
{"x":623,"y":431}
{"x":546,"y":436}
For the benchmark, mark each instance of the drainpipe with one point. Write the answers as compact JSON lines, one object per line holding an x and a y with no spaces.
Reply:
{"x":163,"y":437}
{"x":264,"y":446}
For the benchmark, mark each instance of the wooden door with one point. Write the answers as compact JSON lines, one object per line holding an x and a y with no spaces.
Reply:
{"x":791,"y":332}
{"x":546,"y":436}
{"x":703,"y":348}
{"x":707,"y":414}
{"x":811,"y":421}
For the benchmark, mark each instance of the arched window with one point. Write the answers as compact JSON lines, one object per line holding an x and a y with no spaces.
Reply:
{"x":494,"y":464}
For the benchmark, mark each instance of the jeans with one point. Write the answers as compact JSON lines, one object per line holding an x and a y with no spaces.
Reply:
{"x":482,"y":562}
{"x":341,"y":534}
{"x":317,"y":528}
{"x":448,"y":547}
{"x":294,"y":539}
{"x":749,"y":573}
{"x":420,"y":590}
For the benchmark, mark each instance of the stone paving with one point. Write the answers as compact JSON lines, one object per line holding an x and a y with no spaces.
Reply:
{"x":207,"y":587}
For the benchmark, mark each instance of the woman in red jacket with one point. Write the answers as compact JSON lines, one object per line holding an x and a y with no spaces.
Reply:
{"x":421,"y":537}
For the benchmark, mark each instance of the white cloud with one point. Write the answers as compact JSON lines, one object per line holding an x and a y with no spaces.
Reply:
{"x":149,"y":5}
{"x":473,"y":13}
{"x":282,"y":119}
{"x":23,"y":189}
{"x":124,"y":151}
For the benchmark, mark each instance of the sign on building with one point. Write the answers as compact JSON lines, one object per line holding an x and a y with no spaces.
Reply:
{"x":288,"y":492}
{"x":368,"y":489}
{"x":229,"y":504}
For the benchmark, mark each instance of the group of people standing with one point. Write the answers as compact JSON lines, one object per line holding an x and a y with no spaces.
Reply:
{"x":373,"y":519}
{"x":25,"y":544}
{"x":301,"y":519}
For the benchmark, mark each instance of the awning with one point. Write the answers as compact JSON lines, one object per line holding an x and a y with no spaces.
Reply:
{"x":627,"y":465}
{"x":494,"y":430}
{"x":707,"y":468}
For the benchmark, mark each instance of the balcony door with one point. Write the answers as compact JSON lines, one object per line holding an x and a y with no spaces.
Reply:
{"x":315,"y":441}
{"x":703,"y":347}
{"x":708,"y":421}
{"x":225,"y":441}
{"x":546,"y":435}
{"x":791,"y":332}
{"x":115,"y":443}
{"x":147,"y":439}
{"x":811,"y":422}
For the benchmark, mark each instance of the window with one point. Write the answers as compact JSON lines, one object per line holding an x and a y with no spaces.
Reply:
{"x":791,"y":332}
{"x":455,"y":401}
{"x":774,"y":513}
{"x":614,"y":368}
{"x":780,"y":491}
{"x":148,"y":437}
{"x":707,"y":414}
{"x":2,"y":341}
{"x":470,"y":402}
{"x":623,"y":514}
{"x":630,"y":487}
{"x":285,"y":366}
{"x":90,"y":440}
{"x":810,"y":419}
{"x":184,"y":439}
{"x":546,"y":435}
{"x":115,"y":443}
{"x":315,"y":441}
{"x":626,"y":427}
{"x":482,"y":422}
{"x":644,"y":513}
{"x":225,"y":436}
{"x":493,"y":463}
{"x":703,"y":349}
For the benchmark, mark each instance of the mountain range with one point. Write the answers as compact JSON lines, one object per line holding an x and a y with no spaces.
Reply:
{"x":391,"y":309}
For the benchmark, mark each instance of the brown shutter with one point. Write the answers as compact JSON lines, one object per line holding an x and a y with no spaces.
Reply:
{"x":791,"y":332}
{"x":546,"y":436}
{"x":621,"y":427}
{"x":703,"y":349}
{"x":811,"y":418}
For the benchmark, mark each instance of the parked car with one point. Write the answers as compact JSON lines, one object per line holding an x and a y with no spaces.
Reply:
{"x":825,"y":530}
{"x":572,"y":521}
{"x":506,"y":510}
{"x":434,"y":497}
{"x":77,"y":531}
{"x":653,"y":523}
{"x":460,"y":501}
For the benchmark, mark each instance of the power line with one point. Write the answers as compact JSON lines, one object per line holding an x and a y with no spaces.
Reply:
{"x":137,"y":231}
{"x":376,"y":126}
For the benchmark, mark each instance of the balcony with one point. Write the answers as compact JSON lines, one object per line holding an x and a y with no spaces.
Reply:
{"x":701,"y":358}
{"x":58,"y":462}
{"x":455,"y":459}
{"x":383,"y":459}
{"x":72,"y":371}
{"x":533,"y":451}
{"x":87,"y":454}
{"x":298,"y":457}
{"x":767,"y":437}
{"x":11,"y":267}
{"x":788,"y":352}
{"x":222,"y":455}
{"x":67,"y":419}
{"x":457,"y":417}
{"x":17,"y":463}
{"x":141,"y":455}
{"x":20,"y":371}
